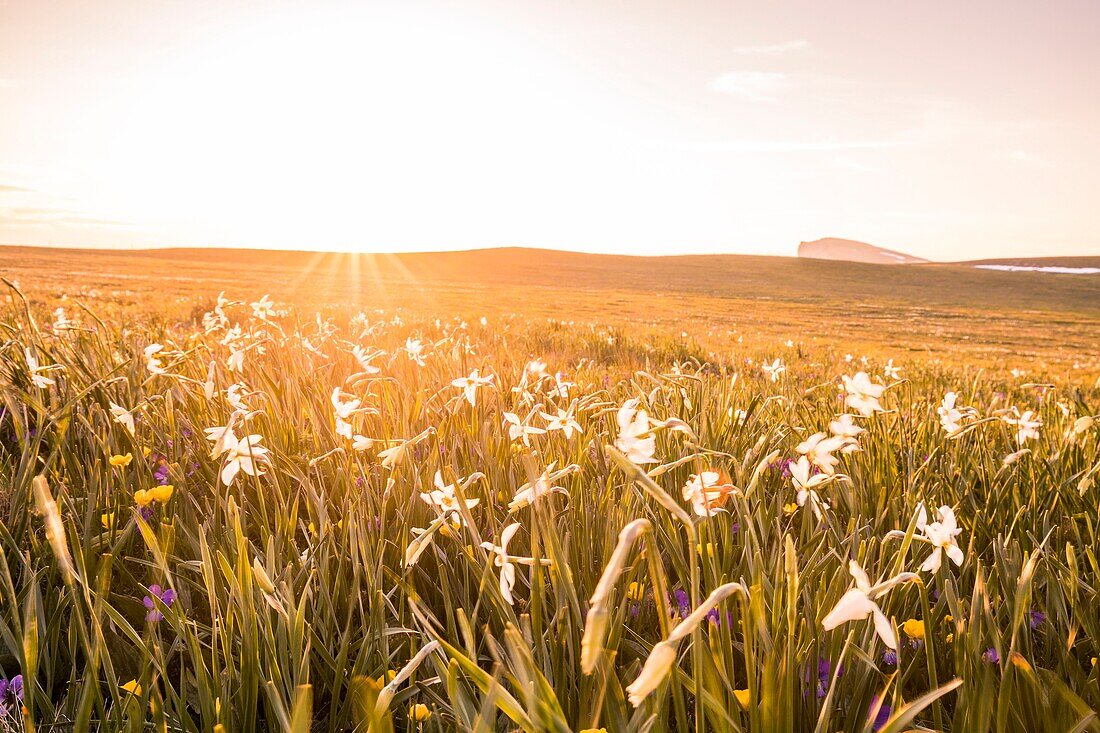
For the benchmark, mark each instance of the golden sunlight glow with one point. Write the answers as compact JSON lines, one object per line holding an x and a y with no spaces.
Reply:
{"x":426,"y":124}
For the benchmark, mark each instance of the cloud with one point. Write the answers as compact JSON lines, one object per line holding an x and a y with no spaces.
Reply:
{"x":14,"y":189}
{"x":1022,"y":157}
{"x":757,"y":85}
{"x":787,"y":146}
{"x":772,"y":49}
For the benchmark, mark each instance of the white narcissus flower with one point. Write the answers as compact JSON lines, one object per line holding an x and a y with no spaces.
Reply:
{"x":863,"y":394}
{"x":563,"y":421}
{"x":235,"y":362}
{"x":38,"y":378}
{"x":507,"y":563}
{"x":708,"y":491}
{"x":414,"y":349}
{"x":364,"y":358}
{"x":519,"y":429}
{"x":774,"y":370}
{"x":635,"y":440}
{"x":807,"y":485}
{"x":241,"y":454}
{"x":859,"y":602}
{"x":263,"y":308}
{"x":657,"y":666}
{"x":397,"y":452}
{"x":123,"y":417}
{"x":445,"y":499}
{"x":208,"y":387}
{"x":561,"y":387}
{"x":470,"y":385}
{"x":942,"y":535}
{"x":1027,"y":424}
{"x":950,"y":416}
{"x":152,"y":361}
{"x":818,"y":450}
{"x":342,"y":412}
{"x":234,"y":396}
{"x":532,"y":491}
{"x":845,"y":428}
{"x":890,"y":371}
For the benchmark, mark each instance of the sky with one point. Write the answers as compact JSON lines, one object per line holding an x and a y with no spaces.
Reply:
{"x":947,"y":130}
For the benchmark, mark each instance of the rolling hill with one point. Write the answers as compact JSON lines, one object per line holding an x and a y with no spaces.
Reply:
{"x":849,"y":250}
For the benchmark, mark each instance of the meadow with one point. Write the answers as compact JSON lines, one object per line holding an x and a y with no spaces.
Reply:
{"x":549,"y":494}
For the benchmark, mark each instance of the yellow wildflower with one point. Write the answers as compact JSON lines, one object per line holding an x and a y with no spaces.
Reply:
{"x":635,"y":591}
{"x":132,"y":687}
{"x":107,"y":520}
{"x":387,"y":677}
{"x":143,"y":498}
{"x":419,"y":712}
{"x":742,"y":698}
{"x":710,"y":549}
{"x":162,"y":493}
{"x":790,"y":509}
{"x":913,"y":628}
{"x":121,"y":461}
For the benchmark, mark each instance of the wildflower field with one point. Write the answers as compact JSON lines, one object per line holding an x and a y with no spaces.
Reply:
{"x":238,"y":513}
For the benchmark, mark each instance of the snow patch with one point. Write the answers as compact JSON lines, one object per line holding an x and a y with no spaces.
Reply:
{"x":1036,"y":268}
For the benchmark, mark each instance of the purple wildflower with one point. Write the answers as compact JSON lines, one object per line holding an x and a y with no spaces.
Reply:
{"x":882,"y":716}
{"x":11,"y":691}
{"x":890,"y":657}
{"x":824,"y":669}
{"x":782,"y":465}
{"x":990,"y":656}
{"x":167,"y":597}
{"x":1036,"y":619}
{"x":683,"y":603}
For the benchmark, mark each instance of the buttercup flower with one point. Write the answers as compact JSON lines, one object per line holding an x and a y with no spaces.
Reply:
{"x":121,"y":461}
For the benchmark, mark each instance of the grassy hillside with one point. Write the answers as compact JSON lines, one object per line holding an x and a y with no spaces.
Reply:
{"x":953,"y":312}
